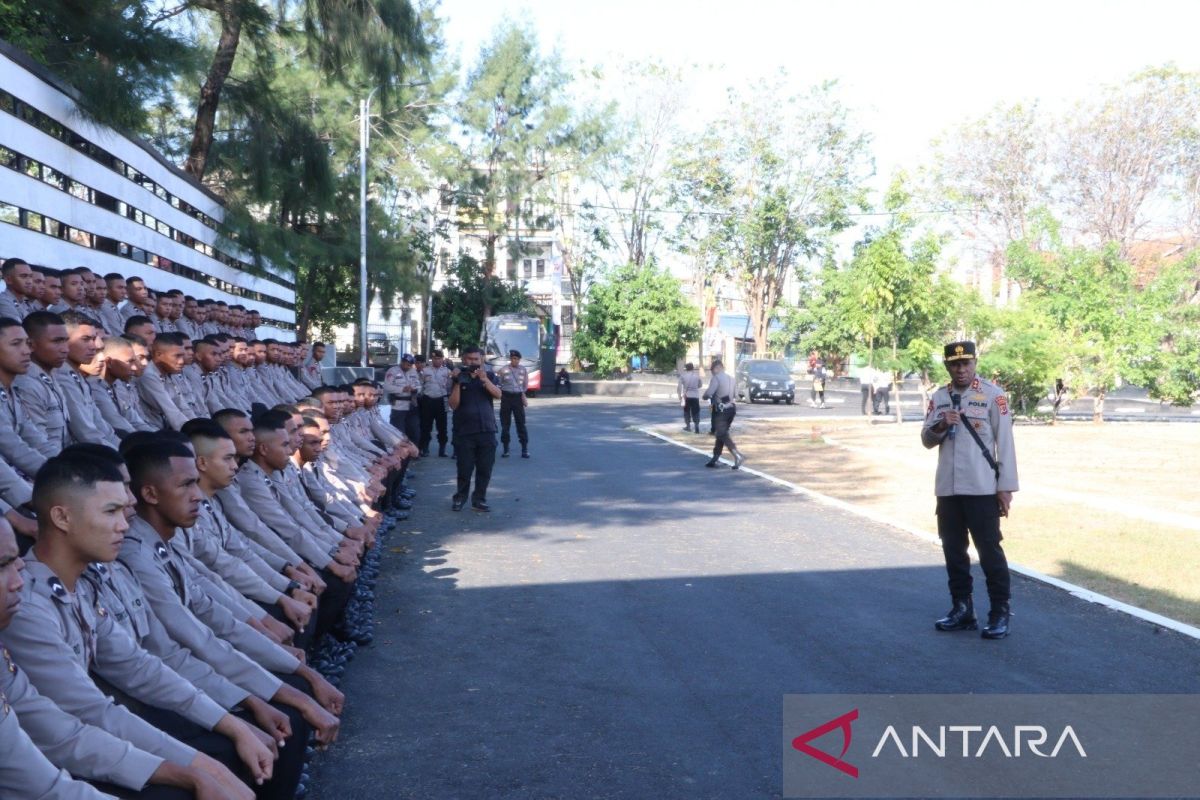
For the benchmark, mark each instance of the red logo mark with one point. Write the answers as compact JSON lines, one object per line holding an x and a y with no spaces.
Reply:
{"x":1002,"y":404}
{"x":801,"y":742}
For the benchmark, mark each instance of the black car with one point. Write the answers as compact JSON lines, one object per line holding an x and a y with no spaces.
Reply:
{"x":381,"y":351}
{"x":763,"y":379}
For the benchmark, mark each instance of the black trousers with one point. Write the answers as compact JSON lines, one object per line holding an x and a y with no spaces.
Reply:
{"x":512,"y":408}
{"x":476,"y":453}
{"x":331,"y":603}
{"x":866,"y":395}
{"x":722,"y":421}
{"x":883,"y":396}
{"x":691,"y":411}
{"x":978,"y":515}
{"x":407,"y":422}
{"x":433,"y":412}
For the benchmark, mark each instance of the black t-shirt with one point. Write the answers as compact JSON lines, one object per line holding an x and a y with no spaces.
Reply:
{"x":475,"y":412}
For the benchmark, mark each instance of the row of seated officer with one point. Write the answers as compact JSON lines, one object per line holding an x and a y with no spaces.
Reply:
{"x":184,"y":564}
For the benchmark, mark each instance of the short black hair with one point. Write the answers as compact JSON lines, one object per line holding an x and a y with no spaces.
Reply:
{"x":9,"y":322}
{"x":286,"y":408}
{"x":472,"y":349}
{"x":10,"y":264}
{"x":70,"y":470}
{"x":270,"y":420}
{"x":136,"y":320}
{"x":134,"y":279}
{"x":150,"y":460}
{"x":321,"y":391}
{"x":113,"y":276}
{"x":37,"y":322}
{"x":229,"y":413}
{"x":169,"y":339}
{"x":75,"y":319}
{"x":314,"y":344}
{"x":138,"y":438}
{"x":95,"y":449}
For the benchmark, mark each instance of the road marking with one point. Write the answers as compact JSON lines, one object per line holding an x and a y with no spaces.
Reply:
{"x":1075,"y":590}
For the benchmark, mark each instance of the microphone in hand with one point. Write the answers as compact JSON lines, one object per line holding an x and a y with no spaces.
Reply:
{"x":955,"y":399}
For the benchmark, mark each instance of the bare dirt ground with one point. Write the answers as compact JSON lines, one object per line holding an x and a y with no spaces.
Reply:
{"x":1114,"y":508}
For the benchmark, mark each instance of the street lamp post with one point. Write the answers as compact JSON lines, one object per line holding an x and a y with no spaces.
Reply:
{"x":364,"y":137}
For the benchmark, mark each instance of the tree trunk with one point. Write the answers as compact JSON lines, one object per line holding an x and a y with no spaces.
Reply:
{"x":210,"y":93}
{"x":896,"y":381}
{"x":1098,"y":408}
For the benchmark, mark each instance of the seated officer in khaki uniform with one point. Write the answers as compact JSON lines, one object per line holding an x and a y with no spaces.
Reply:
{"x":64,"y":635}
{"x":968,"y":420}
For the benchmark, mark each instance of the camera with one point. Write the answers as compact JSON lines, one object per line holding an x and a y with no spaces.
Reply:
{"x":466,"y":373}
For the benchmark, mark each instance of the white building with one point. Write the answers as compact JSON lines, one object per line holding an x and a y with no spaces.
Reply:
{"x":74,"y":193}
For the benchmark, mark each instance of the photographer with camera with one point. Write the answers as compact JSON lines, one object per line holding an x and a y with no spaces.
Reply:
{"x":471,"y":396}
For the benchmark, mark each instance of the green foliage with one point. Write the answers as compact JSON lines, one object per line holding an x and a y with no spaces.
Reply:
{"x":460,"y":306}
{"x":636,"y":311}
{"x":108,"y":50}
{"x":1020,"y":349}
{"x":1111,"y":330}
{"x":769,"y":184}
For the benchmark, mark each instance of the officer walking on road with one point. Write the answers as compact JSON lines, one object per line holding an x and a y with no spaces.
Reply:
{"x":969,"y":422}
{"x":689,"y":396}
{"x":721,"y":392}
{"x":514,"y":382}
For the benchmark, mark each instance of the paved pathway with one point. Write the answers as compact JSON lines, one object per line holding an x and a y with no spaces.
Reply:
{"x":626,"y":622}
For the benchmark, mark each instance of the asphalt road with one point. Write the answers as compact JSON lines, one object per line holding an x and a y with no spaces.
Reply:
{"x":626,"y":623}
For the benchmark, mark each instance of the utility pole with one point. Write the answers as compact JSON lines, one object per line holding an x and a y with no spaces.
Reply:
{"x":364,"y":136}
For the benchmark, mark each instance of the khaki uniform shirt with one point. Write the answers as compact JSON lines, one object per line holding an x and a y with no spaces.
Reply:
{"x":59,"y":637}
{"x":513,"y":379}
{"x":436,"y":382}
{"x":169,"y":585}
{"x":962,"y":469}
{"x":162,"y":400}
{"x":21,"y":443}
{"x":404,"y":385}
{"x":85,"y":423}
{"x":45,"y":406}
{"x":689,"y":384}
{"x":14,"y":307}
{"x":69,"y":744}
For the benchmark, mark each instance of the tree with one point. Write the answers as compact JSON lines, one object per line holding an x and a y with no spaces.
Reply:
{"x":519,"y":136}
{"x":108,"y":50}
{"x":461,"y":306}
{"x":1134,"y":146}
{"x":770,"y":183}
{"x":636,"y":311}
{"x":1111,"y":330}
{"x":894,"y":296}
{"x":990,"y":174}
{"x":347,"y":40}
{"x":632,"y":170}
{"x":1019,"y":349}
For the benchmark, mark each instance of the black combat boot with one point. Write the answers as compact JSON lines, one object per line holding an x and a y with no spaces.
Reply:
{"x":505,"y":453}
{"x":960,"y":618}
{"x":524,"y":451}
{"x":713,"y":462}
{"x":997,"y":624}
{"x":441,"y":451}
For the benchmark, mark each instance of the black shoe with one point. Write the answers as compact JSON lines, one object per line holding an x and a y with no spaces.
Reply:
{"x":687,"y":428}
{"x":505,"y":453}
{"x":442,"y":451}
{"x":480,"y":505}
{"x":425,"y":452}
{"x":524,"y":453}
{"x":959,"y":618}
{"x":458,"y":503}
{"x":997,"y":625}
{"x":712,"y":462}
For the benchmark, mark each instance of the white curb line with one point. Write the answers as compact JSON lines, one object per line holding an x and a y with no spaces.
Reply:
{"x":1073,"y":589}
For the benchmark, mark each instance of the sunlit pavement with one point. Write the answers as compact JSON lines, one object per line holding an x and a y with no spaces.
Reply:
{"x":625,"y":623}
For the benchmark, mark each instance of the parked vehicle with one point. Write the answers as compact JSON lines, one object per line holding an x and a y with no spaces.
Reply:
{"x":763,"y":379}
{"x":381,"y":351}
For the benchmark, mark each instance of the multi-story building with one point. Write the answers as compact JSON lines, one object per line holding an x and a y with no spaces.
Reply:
{"x":75,"y":193}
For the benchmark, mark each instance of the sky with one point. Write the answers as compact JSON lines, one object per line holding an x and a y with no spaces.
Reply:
{"x":910,"y":70}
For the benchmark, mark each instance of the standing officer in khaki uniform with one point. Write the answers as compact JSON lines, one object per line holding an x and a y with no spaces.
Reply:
{"x":969,"y":422}
{"x":514,"y":381}
{"x":689,"y":396}
{"x":435,"y":388}
{"x":403,"y":383}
